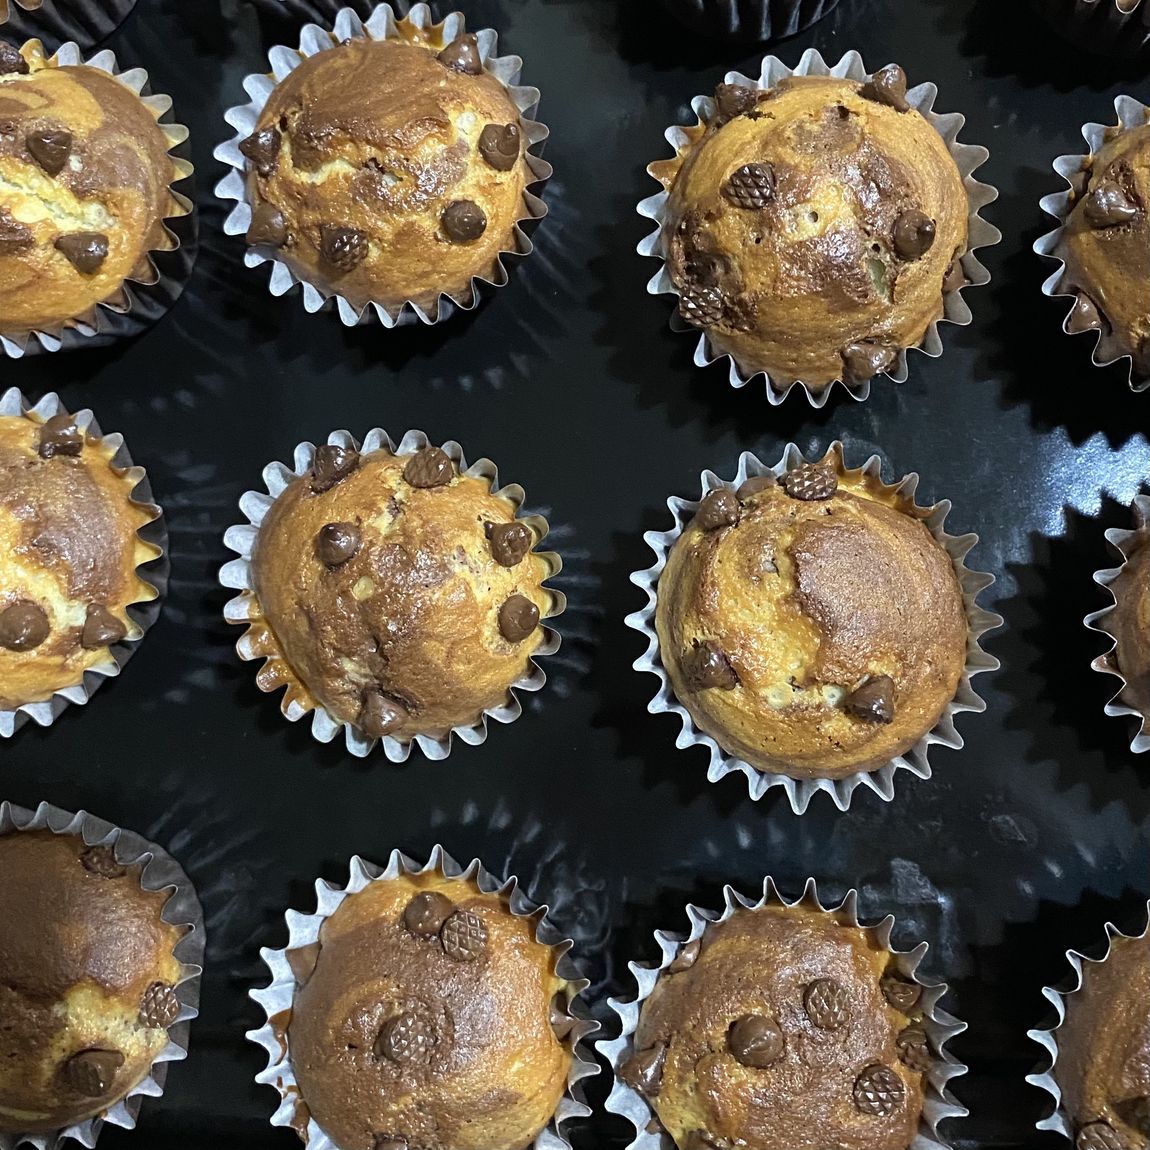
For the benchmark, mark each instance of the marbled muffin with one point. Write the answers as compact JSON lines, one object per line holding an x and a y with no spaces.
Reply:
{"x":69,"y":554}
{"x":84,"y":189}
{"x":427,"y":1019}
{"x":811,"y":625}
{"x":813,"y":228}
{"x":389,"y":170}
{"x":87,"y":977}
{"x":783,"y":1028}
{"x":403,"y":597}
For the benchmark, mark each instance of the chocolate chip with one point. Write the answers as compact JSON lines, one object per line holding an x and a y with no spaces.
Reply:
{"x":810,"y":482}
{"x":1099,"y":1136}
{"x":686,"y":958}
{"x":902,"y":995}
{"x":101,"y":861}
{"x":1108,"y":205}
{"x":955,"y":277}
{"x":159,"y":1007}
{"x":101,"y":628}
{"x":499,"y":145}
{"x":873,"y":702}
{"x":332,"y":464}
{"x":49,"y":147}
{"x":406,"y":1039}
{"x":268,"y":227}
{"x":561,"y":1019}
{"x":429,"y":467}
{"x":344,"y":248}
{"x":825,"y":1001}
{"x":864,"y":360}
{"x":887,"y":86}
{"x":14,"y":235}
{"x":60,"y":435}
{"x":913,"y":234}
{"x":509,"y":542}
{"x":706,"y":666}
{"x":92,"y":1072}
{"x":719,"y":508}
{"x":756,"y":1041}
{"x":1084,"y":315}
{"x":464,"y":936}
{"x":702,"y":306}
{"x":11,"y":62}
{"x":878,"y":1090}
{"x":427,"y":912}
{"x":733,"y":100}
{"x":380,"y":714}
{"x":462,"y":55}
{"x":263,"y":149}
{"x":643,"y":1071}
{"x":750,"y":187}
{"x":23,"y":626}
{"x":336,"y":543}
{"x":751,"y":487}
{"x":463,"y":221}
{"x":85,"y":251}
{"x":518,"y":618}
{"x":914,"y":1049}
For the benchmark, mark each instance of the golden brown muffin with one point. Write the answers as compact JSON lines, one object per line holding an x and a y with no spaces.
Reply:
{"x":84,"y":189}
{"x":1106,"y":247}
{"x":812,"y":229}
{"x":69,"y":553}
{"x":87,"y":977}
{"x":389,"y":170}
{"x":427,"y":1021}
{"x":398,"y":594}
{"x":1103,"y":1065}
{"x":812,"y":625}
{"x":783,"y":1028}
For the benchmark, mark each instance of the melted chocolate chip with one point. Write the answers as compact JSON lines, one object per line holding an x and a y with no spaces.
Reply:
{"x":499,"y":145}
{"x":706,"y":667}
{"x":159,"y":1007}
{"x":11,"y":62}
{"x":955,"y":277}
{"x":826,"y":1004}
{"x":268,"y":227}
{"x":914,"y":1049}
{"x":101,"y":628}
{"x":380,"y":714}
{"x":750,"y":187}
{"x":887,"y":86}
{"x":464,"y":936}
{"x":23,"y":626}
{"x":1099,"y":1136}
{"x":92,"y":1072}
{"x":686,"y":958}
{"x":878,"y":1090}
{"x":331,"y":465}
{"x":873,"y":702}
{"x":643,"y":1071}
{"x":733,"y":100}
{"x":427,"y":912}
{"x":1084,"y":315}
{"x":510,"y":542}
{"x":810,"y":482}
{"x":463,"y":221}
{"x":751,"y":487}
{"x":85,"y":251}
{"x":101,"y":861}
{"x":561,"y":1019}
{"x":405,"y":1039}
{"x":864,"y":360}
{"x":1108,"y":206}
{"x":429,"y":467}
{"x":263,"y":149}
{"x":14,"y":235}
{"x":518,"y":618}
{"x":60,"y":436}
{"x":719,"y":508}
{"x":336,"y":543}
{"x":344,"y":248}
{"x":462,"y":55}
{"x":49,"y":147}
{"x":902,"y":995}
{"x":913,"y":234}
{"x":756,"y":1041}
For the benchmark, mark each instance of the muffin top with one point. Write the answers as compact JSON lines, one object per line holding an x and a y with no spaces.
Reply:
{"x":389,"y":170}
{"x":84,"y":189}
{"x":812,"y":229}
{"x":1106,"y":246}
{"x":69,"y":551}
{"x":812,"y":625}
{"x":783,"y":1029}
{"x":403,"y":596}
{"x":87,"y":977}
{"x":429,"y":1021}
{"x":1103,"y":1066}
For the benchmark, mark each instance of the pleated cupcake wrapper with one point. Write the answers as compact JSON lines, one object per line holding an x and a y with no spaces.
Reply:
{"x":968,"y":158}
{"x":799,"y":791}
{"x":140,"y":301}
{"x":1125,"y":542}
{"x":751,"y":20}
{"x":245,"y":608}
{"x":1074,"y":170}
{"x":154,"y":573}
{"x":160,"y":872}
{"x":277,"y":998}
{"x":940,"y":1026}
{"x":381,"y":25}
{"x":87,"y":22}
{"x":1112,"y":27}
{"x":1059,"y":1121}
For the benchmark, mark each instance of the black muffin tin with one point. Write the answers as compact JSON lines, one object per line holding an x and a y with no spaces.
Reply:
{"x":1022,"y":844}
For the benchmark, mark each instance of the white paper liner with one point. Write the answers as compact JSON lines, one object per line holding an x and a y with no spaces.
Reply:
{"x":968,"y":158}
{"x":160,"y":872}
{"x":85,"y":21}
{"x":1125,"y":542}
{"x":237,"y":574}
{"x":758,"y":21}
{"x":1131,"y":114}
{"x":381,"y":25}
{"x":940,"y":1026}
{"x":143,"y":300}
{"x":1059,"y":1120}
{"x":800,"y":790}
{"x":154,"y":574}
{"x":304,"y":929}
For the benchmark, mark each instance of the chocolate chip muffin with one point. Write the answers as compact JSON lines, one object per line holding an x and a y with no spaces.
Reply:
{"x":783,"y":1028}
{"x":389,"y":170}
{"x":428,"y":1017}
{"x":812,"y":229}
{"x":85,"y":180}
{"x":87,"y":980}
{"x":69,"y":555}
{"x":811,"y":625}
{"x":402,"y":596}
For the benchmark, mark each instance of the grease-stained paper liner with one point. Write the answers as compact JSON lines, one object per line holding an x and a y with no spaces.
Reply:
{"x":1075,"y":171}
{"x":381,"y":25}
{"x":800,"y":790}
{"x":1109,"y":27}
{"x":1125,"y":542}
{"x":304,"y":929}
{"x":940,"y":1026}
{"x":157,"y":280}
{"x":750,"y":20}
{"x":87,"y":22}
{"x":154,"y":573}
{"x":259,"y":643}
{"x":968,"y":158}
{"x":1059,"y":1120}
{"x":160,"y":872}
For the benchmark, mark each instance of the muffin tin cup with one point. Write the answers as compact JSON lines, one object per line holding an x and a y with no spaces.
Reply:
{"x":940,"y":1026}
{"x":277,"y":997}
{"x":86,"y":22}
{"x":750,"y":21}
{"x":139,"y":302}
{"x":799,"y":790}
{"x":245,"y":608}
{"x":380,"y":25}
{"x":154,"y":572}
{"x":968,"y":158}
{"x":1075,"y":171}
{"x":1059,"y":1121}
{"x":1108,"y":27}
{"x":160,"y":872}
